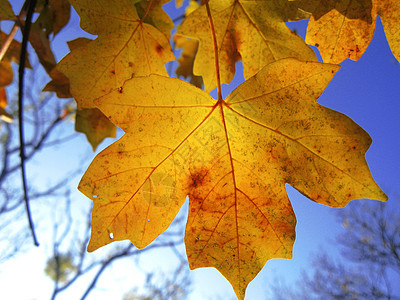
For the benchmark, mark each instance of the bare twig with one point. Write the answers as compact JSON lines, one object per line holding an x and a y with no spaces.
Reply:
{"x":8,"y":41}
{"x":13,"y":32}
{"x":25,"y":37}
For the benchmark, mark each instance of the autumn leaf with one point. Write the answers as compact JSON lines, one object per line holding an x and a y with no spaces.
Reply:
{"x":12,"y":55}
{"x":59,"y":82}
{"x":94,"y":125}
{"x":41,"y":43}
{"x":178,"y":3}
{"x":125,"y":47}
{"x":253,"y":31}
{"x":4,"y":115}
{"x":185,"y":68}
{"x":344,"y":29}
{"x":54,"y":16}
{"x":59,"y":267}
{"x":156,"y":16}
{"x":232,"y":158}
{"x":6,"y":73}
{"x":389,"y":11}
{"x":6,"y":12}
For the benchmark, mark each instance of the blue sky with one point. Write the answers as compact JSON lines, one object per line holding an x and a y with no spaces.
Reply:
{"x":368,"y":91}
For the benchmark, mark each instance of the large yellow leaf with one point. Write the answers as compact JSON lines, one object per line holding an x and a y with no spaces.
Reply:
{"x":343,"y":29}
{"x":125,"y":47}
{"x":232,"y":158}
{"x":253,"y":31}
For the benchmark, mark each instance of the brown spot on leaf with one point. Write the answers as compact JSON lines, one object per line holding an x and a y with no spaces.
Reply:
{"x":159,"y":49}
{"x":198,"y":178}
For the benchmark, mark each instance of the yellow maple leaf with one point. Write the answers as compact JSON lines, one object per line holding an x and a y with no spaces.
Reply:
{"x":125,"y":47}
{"x":253,"y":31}
{"x":232,"y":157}
{"x":343,"y":29}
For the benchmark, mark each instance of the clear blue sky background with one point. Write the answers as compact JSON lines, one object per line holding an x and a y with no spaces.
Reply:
{"x":368,"y":91}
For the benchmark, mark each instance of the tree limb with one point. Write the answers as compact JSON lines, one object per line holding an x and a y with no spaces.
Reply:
{"x":25,"y":37}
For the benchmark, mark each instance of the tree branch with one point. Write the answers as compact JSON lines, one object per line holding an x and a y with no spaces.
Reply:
{"x":25,"y":37}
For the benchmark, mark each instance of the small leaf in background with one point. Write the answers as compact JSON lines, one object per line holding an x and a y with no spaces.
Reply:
{"x":156,"y":15}
{"x":54,"y":16}
{"x":94,"y":125}
{"x":178,"y":3}
{"x":185,"y":69}
{"x":59,"y":84}
{"x":233,"y":158}
{"x":6,"y":73}
{"x":6,"y":11}
{"x":12,"y":55}
{"x":4,"y":115}
{"x":41,"y":43}
{"x":344,"y":29}
{"x":341,"y":29}
{"x":60,"y":267}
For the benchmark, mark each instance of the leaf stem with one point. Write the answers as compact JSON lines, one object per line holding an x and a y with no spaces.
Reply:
{"x":220,"y":99}
{"x":8,"y":41}
{"x":13,"y":32}
{"x":21,"y":70}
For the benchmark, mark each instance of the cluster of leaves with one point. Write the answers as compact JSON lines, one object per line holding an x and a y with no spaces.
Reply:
{"x":231,"y":156}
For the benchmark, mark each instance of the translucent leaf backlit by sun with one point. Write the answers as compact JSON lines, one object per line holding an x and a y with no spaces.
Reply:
{"x":253,"y":31}
{"x":343,"y":29}
{"x":125,"y":47}
{"x":232,"y":158}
